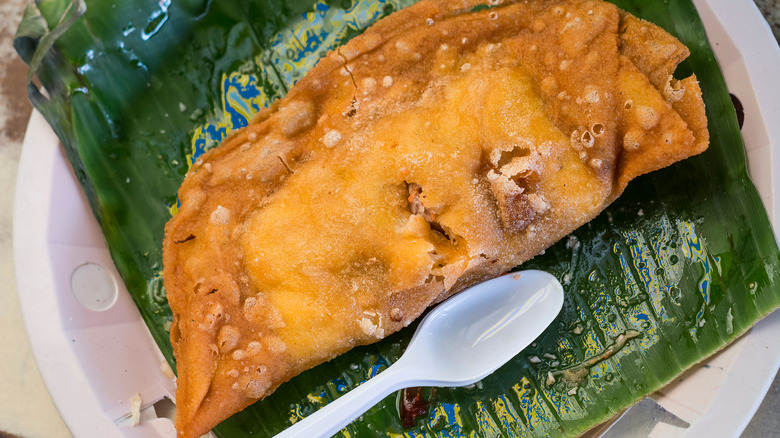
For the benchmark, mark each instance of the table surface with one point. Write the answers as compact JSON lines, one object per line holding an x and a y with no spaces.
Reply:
{"x":26,"y":410}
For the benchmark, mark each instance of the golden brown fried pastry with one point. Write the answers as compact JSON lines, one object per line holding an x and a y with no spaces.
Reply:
{"x":440,"y":148}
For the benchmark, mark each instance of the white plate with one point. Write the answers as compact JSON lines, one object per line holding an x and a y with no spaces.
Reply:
{"x":94,"y":361}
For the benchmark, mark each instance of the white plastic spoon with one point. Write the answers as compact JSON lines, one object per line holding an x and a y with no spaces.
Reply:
{"x":458,"y":343}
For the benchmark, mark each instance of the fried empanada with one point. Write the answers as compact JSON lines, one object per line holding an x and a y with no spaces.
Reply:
{"x":440,"y":148}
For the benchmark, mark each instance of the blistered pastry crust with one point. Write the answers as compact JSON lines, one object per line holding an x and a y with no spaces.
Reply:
{"x":440,"y":148}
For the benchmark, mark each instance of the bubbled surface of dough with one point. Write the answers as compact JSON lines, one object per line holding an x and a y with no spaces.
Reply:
{"x":438,"y":149}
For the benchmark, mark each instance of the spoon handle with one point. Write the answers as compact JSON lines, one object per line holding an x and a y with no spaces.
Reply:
{"x":337,"y":414}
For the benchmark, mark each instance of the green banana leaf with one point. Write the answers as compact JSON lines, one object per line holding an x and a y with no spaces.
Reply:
{"x":681,"y":265}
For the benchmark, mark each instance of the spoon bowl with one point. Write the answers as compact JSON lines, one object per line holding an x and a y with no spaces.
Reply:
{"x":470,"y":335}
{"x":458,"y":343}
